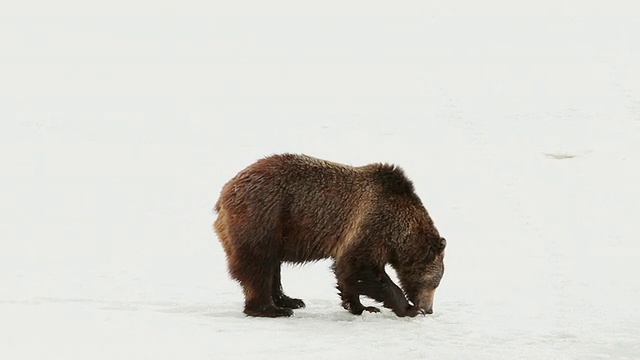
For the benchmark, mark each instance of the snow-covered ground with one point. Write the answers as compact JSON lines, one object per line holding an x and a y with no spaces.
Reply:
{"x":120,"y":122}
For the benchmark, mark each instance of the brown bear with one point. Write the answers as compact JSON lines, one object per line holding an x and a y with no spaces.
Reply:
{"x":296,"y":209}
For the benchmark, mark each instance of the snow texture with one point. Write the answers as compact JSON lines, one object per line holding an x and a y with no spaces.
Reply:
{"x":519,"y":125}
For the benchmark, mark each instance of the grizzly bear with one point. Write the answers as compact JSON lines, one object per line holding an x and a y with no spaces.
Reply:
{"x":297,"y":209}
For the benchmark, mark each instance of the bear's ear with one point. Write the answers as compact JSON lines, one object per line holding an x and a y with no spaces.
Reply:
{"x":442,"y":245}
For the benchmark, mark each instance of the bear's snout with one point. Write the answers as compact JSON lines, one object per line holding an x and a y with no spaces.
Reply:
{"x":424,"y":302}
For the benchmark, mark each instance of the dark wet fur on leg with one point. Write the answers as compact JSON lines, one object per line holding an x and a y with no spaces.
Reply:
{"x":351,"y":302}
{"x":379,"y":286}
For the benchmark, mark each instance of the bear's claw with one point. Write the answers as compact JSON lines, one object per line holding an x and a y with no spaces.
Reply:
{"x":290,"y":303}
{"x":372,"y":309}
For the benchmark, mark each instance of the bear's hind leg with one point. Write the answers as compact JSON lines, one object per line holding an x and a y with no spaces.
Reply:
{"x":258,"y":300}
{"x":279,"y":298}
{"x":256,"y":280}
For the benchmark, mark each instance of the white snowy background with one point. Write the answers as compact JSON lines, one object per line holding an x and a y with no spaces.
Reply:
{"x":120,"y":121}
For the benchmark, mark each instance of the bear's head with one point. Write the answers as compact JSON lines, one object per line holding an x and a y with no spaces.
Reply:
{"x":420,"y":279}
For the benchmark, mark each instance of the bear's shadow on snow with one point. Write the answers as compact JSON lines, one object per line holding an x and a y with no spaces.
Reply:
{"x":318,"y":310}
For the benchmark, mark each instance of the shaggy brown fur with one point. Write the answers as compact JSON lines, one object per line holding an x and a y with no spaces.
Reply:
{"x":296,"y":208}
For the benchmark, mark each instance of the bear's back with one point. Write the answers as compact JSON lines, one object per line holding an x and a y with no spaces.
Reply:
{"x":302,"y":180}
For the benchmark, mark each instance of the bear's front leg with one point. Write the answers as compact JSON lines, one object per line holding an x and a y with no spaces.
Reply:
{"x":395,"y":300}
{"x":349,"y":289}
{"x":376,"y":284}
{"x":351,"y":301}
